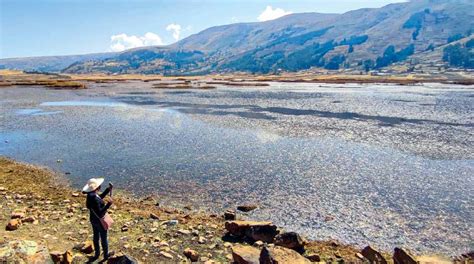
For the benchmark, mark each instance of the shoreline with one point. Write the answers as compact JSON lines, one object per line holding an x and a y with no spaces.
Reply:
{"x":207,"y":82}
{"x":60,"y":223}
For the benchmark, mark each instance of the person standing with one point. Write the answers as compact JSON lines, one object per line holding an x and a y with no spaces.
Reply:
{"x":98,"y":208}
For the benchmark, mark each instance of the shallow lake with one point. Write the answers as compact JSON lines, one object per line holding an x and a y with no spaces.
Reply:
{"x":363,"y":164}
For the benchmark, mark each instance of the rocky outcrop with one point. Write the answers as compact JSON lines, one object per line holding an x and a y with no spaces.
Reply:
{"x":24,"y":251}
{"x":373,"y":256}
{"x":290,"y":240}
{"x":281,"y":255}
{"x":245,"y":254}
{"x":400,"y":256}
{"x":251,"y":230}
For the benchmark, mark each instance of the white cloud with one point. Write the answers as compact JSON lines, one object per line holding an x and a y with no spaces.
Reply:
{"x":176,"y":29}
{"x":123,"y":41}
{"x":269,"y":13}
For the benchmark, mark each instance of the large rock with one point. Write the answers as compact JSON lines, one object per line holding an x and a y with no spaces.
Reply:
{"x":24,"y":251}
{"x":373,"y":255}
{"x":264,"y":231}
{"x":245,"y":254}
{"x":290,"y":240}
{"x":402,"y":257}
{"x":281,"y":255}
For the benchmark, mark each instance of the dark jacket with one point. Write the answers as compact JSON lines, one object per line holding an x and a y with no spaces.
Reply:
{"x":96,"y":205}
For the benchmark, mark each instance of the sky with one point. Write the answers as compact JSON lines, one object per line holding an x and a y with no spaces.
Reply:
{"x":65,"y":27}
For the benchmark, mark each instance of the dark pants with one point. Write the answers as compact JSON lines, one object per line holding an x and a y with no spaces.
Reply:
{"x":100,"y":233}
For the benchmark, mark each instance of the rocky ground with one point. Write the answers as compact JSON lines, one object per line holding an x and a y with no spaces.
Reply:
{"x":45,"y":221}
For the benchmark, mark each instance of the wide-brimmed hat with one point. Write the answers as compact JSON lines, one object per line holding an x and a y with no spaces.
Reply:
{"x":92,"y":184}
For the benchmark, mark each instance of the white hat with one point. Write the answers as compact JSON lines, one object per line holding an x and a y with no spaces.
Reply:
{"x":92,"y":184}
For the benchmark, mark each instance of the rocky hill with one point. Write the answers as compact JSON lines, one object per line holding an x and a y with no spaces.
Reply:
{"x":362,"y":39}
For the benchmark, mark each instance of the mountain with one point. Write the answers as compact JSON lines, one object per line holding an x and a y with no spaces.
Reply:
{"x":362,"y":39}
{"x":50,"y":63}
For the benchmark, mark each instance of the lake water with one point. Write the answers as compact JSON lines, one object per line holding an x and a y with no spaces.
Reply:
{"x":363,"y":164}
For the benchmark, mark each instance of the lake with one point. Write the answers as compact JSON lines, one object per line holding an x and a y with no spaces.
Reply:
{"x":385,"y":165}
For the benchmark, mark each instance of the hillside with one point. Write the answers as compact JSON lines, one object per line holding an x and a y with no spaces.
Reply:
{"x":363,"y":39}
{"x":50,"y":63}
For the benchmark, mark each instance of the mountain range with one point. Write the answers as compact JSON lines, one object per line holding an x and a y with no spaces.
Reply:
{"x":362,"y":39}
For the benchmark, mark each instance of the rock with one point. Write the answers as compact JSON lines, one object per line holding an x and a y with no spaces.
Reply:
{"x":402,"y":257}
{"x":373,"y":256}
{"x":264,"y":231}
{"x":67,"y":257}
{"x":56,"y":256}
{"x":12,"y":225}
{"x":24,"y":251}
{"x":17,"y":215}
{"x":277,"y":254}
{"x":245,"y":254}
{"x":247,"y":208}
{"x":184,"y":232}
{"x":124,"y":228}
{"x":166,"y":255}
{"x":122,"y":259}
{"x":229,"y":215}
{"x":61,"y":257}
{"x":154,"y":216}
{"x":75,"y":194}
{"x":201,"y":240}
{"x":85,"y":247}
{"x":290,"y":240}
{"x":191,"y":254}
{"x":314,"y":257}
{"x":29,"y":219}
{"x":171,"y":222}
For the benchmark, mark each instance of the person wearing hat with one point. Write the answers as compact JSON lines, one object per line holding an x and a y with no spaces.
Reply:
{"x":98,"y":208}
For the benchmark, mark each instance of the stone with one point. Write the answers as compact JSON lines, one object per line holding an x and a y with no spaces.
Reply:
{"x":247,"y":208}
{"x":56,"y":256}
{"x":201,"y":240}
{"x":264,"y":231}
{"x":373,"y":256}
{"x":67,"y":257}
{"x":12,"y":225}
{"x":277,"y":254}
{"x":290,"y":240}
{"x":229,"y":215}
{"x":17,"y":215}
{"x":24,"y":251}
{"x":245,"y":254}
{"x":184,"y":231}
{"x":314,"y":257}
{"x":400,"y":256}
{"x":191,"y":254}
{"x":85,"y":247}
{"x":166,"y":255}
{"x":122,"y":259}
{"x":29,"y":219}
{"x":154,"y":216}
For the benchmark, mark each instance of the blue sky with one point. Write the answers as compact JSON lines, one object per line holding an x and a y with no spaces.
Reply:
{"x":61,"y":27}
